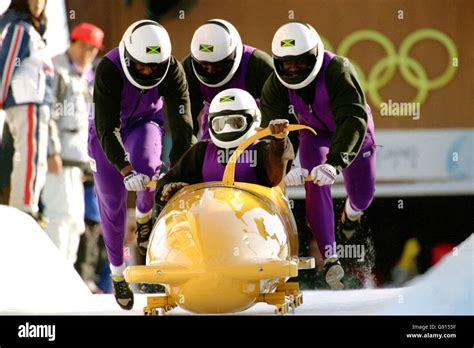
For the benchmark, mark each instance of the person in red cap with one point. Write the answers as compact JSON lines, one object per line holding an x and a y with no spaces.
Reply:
{"x":63,"y":194}
{"x":89,"y":34}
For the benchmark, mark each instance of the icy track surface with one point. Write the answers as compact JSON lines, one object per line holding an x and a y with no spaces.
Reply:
{"x":36,"y":280}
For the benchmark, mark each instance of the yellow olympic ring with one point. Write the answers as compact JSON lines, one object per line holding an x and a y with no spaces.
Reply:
{"x":410,"y":69}
{"x":379,"y":38}
{"x":424,"y":34}
{"x":387,"y":61}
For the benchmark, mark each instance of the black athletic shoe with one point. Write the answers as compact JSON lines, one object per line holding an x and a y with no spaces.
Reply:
{"x":144,"y":229}
{"x":333,"y":273}
{"x":123,"y":293}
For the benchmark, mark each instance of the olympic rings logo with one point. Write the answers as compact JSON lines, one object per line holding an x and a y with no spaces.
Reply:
{"x":410,"y":69}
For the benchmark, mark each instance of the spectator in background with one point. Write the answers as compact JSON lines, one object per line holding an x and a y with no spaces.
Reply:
{"x":6,"y":160}
{"x":406,"y":267}
{"x":7,"y":17}
{"x":63,"y":193}
{"x":26,"y":94}
{"x":6,"y":139}
{"x":218,"y":61}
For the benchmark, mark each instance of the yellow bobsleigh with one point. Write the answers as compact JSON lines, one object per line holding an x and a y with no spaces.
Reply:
{"x":221,"y":247}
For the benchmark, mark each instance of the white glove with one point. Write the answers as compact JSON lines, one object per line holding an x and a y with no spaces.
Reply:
{"x":296,"y":176}
{"x":136,"y":181}
{"x":157,"y":176}
{"x":324,"y":174}
{"x":160,"y":173}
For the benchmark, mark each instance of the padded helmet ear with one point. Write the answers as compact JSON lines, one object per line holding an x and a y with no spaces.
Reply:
{"x":146,"y":43}
{"x":232,"y":103}
{"x":297,"y":41}
{"x":216,"y":43}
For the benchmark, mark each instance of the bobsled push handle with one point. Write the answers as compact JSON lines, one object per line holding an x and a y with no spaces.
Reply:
{"x":229,"y":174}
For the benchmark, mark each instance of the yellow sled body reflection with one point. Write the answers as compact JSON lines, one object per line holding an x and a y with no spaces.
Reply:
{"x":221,"y":247}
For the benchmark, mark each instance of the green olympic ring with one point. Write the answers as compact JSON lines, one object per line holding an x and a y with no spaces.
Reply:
{"x":410,"y":69}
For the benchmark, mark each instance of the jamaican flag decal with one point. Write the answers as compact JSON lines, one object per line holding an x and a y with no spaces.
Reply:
{"x":206,"y":48}
{"x":227,"y":98}
{"x":153,"y":49}
{"x":287,"y":43}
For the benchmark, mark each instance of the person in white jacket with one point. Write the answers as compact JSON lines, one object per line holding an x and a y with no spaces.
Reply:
{"x":63,"y":193}
{"x":26,"y":79}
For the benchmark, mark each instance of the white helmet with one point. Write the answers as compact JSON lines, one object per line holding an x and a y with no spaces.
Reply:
{"x":233,"y":117}
{"x":297,"y":42}
{"x":216,"y":43}
{"x":145,"y":42}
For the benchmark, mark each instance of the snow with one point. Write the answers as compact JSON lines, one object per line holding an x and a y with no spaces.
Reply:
{"x":35,"y":277}
{"x":36,"y":280}
{"x":447,"y":288}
